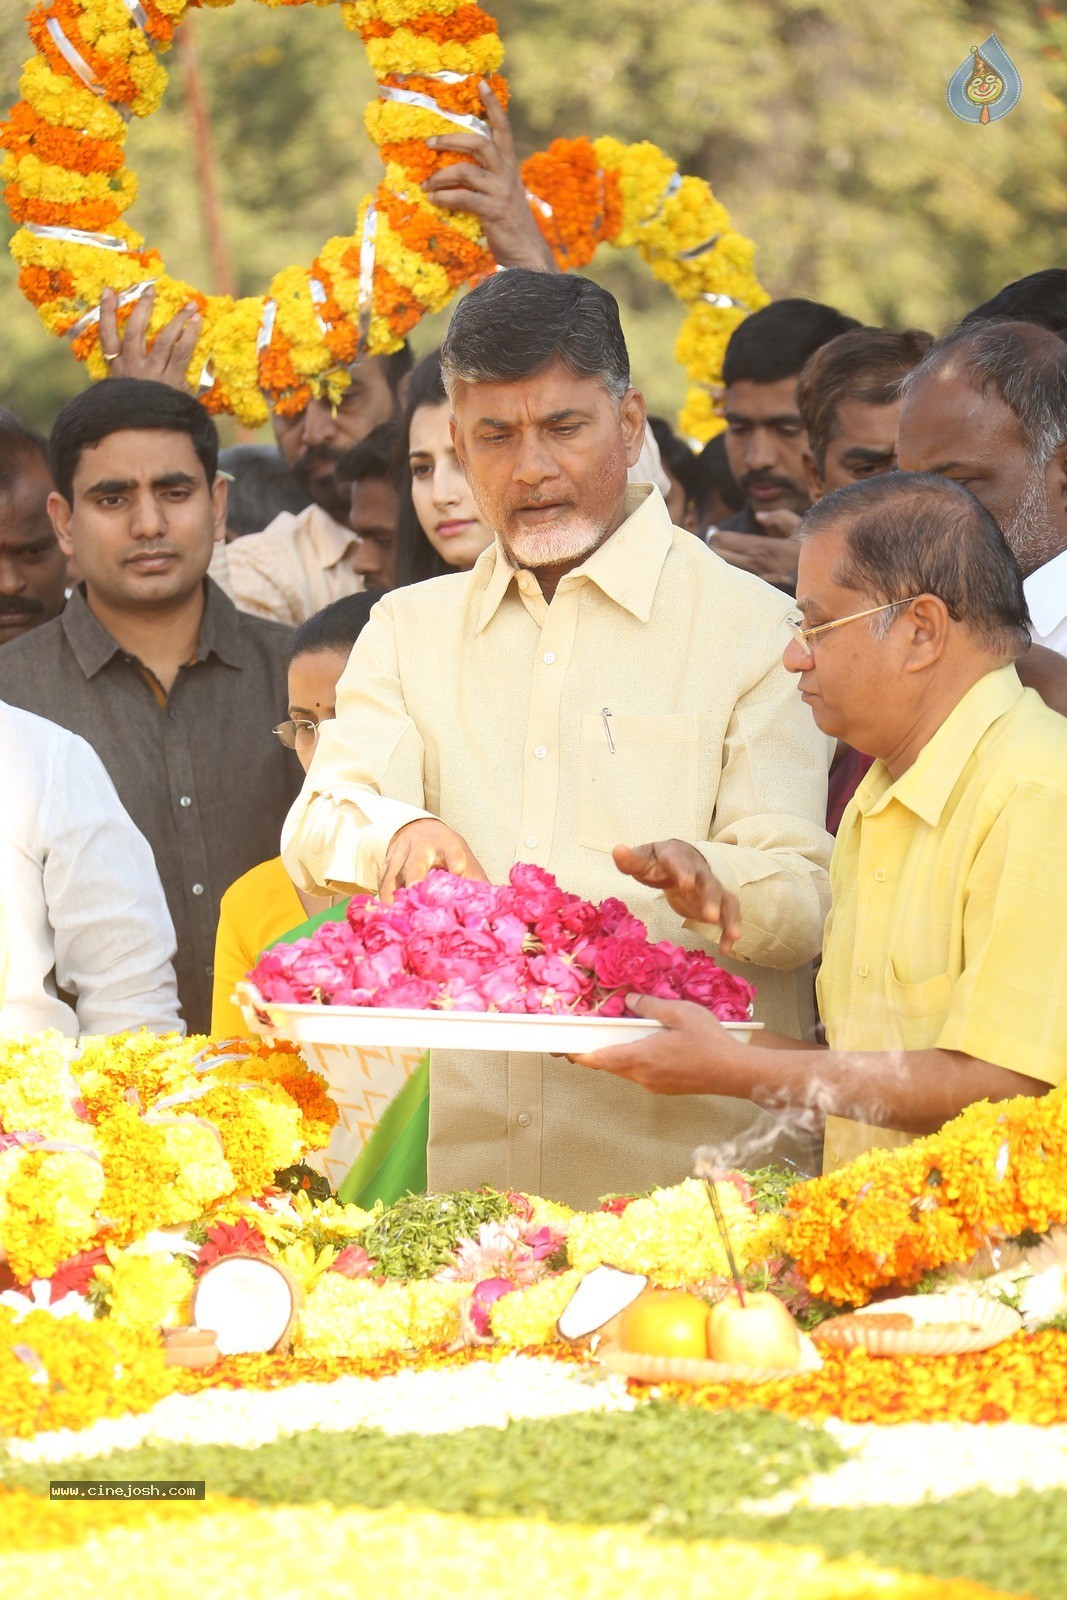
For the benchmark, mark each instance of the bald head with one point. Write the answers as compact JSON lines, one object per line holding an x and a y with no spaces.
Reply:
{"x":987,"y":406}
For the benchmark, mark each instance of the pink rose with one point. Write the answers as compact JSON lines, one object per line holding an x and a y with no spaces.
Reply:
{"x":406,"y":993}
{"x":556,"y":973}
{"x":625,"y":963}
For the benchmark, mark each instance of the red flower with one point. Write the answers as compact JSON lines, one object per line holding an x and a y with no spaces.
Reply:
{"x":225,"y":1239}
{"x":353,"y":1262}
{"x":74,"y":1276}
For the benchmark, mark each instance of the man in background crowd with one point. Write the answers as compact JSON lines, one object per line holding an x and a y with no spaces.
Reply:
{"x":369,"y":470}
{"x":260,"y":487}
{"x":765,"y":437}
{"x":175,"y":689}
{"x":93,"y":940}
{"x":848,"y":397}
{"x":33,"y":569}
{"x":1040,"y":297}
{"x":716,"y":496}
{"x":987,"y":407}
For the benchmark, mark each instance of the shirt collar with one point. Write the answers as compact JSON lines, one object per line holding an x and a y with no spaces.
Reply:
{"x":93,"y":646}
{"x":330,"y":539}
{"x":935,"y":772}
{"x":1046,"y":595}
{"x":626,"y":567}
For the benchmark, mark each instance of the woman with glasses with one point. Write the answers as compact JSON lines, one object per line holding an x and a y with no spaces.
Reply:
{"x":265,"y":905}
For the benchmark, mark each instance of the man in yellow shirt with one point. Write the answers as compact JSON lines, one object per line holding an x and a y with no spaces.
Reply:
{"x":597,"y":672}
{"x":944,"y":975}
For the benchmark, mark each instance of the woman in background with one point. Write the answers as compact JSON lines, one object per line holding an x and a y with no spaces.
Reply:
{"x":439,"y":528}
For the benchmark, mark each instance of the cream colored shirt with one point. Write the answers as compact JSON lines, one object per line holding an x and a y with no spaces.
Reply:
{"x":471,"y":699}
{"x":292,"y":569}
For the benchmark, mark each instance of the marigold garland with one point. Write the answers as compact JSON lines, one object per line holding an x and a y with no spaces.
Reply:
{"x":60,"y":1372}
{"x":995,"y":1171}
{"x":64,"y":171}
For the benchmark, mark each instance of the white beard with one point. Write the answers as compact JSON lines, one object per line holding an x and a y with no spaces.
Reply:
{"x":571,"y":538}
{"x":1030,"y":533}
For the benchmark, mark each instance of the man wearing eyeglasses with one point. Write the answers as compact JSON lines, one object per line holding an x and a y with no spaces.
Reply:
{"x":944,"y":973}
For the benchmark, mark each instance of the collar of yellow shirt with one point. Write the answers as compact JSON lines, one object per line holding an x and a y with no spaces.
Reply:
{"x":935,"y":772}
{"x":626,"y":566}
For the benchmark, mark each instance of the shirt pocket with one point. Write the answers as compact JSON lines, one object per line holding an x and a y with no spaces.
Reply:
{"x":647,"y":789}
{"x":918,"y":1009}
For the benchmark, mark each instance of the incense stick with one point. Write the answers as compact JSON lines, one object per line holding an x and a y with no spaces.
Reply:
{"x":721,"y":1224}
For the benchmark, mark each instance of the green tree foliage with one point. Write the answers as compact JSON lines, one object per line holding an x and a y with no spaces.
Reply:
{"x":821,"y":123}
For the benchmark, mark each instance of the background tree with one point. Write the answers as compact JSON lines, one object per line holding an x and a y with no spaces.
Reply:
{"x":822,"y":124}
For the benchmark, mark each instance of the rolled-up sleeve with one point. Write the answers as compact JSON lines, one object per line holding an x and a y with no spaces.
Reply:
{"x":114,"y":939}
{"x":366,"y":780}
{"x":769,"y":845}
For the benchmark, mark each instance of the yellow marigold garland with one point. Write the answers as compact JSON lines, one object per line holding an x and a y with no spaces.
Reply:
{"x":995,"y":1171}
{"x":67,"y":189}
{"x":208,"y":1121}
{"x":61,"y":1372}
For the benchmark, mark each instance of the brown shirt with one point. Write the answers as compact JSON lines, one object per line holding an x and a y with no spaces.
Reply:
{"x":200,"y":773}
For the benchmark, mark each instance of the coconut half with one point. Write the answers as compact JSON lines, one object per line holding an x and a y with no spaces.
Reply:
{"x":248,"y":1301}
{"x":601,"y":1295}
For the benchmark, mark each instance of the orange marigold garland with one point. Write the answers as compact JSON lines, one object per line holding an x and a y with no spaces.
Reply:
{"x":994,"y":1172}
{"x":67,"y":188}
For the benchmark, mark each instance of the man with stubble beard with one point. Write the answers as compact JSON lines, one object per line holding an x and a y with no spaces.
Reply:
{"x":33,"y":569}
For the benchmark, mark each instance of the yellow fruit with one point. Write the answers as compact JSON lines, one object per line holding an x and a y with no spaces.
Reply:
{"x":760,"y":1333}
{"x":665,"y":1322}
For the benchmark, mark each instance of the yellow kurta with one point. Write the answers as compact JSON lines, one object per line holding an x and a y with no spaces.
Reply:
{"x":471,"y":699}
{"x":949,"y":920}
{"x":254,"y":912}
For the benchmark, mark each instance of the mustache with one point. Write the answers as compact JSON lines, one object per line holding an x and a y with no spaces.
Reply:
{"x":314,"y":455}
{"x":15,"y":606}
{"x":764,"y":480}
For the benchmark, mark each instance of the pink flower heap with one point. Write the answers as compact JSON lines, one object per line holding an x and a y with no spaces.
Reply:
{"x":447,"y":944}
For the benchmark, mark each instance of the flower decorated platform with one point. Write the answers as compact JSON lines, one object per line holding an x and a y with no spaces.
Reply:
{"x":422,"y":1422}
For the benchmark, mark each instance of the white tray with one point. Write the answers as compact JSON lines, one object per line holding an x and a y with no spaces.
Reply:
{"x":446,"y":1030}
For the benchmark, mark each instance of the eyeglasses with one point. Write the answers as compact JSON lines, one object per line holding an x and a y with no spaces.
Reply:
{"x":300,"y":735}
{"x":804,"y":636}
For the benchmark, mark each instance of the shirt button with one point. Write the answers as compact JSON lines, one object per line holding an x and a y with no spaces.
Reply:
{"x":879,"y":874}
{"x":172,"y":714}
{"x":198,"y":888}
{"x":186,"y":800}
{"x":523,"y":1120}
{"x":863,"y":972}
{"x":548,"y":657}
{"x":540,"y":752}
{"x":209,"y":972}
{"x":530,"y":841}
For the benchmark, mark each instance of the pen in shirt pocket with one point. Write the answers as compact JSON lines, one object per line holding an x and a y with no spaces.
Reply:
{"x":606,"y":714}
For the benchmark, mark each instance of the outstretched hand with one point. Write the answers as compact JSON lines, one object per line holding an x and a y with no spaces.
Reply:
{"x":688,"y":883}
{"x":418,"y":847}
{"x":129,"y":355}
{"x":490,"y":185}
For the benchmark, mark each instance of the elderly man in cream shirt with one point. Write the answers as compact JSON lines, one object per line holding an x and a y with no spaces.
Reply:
{"x":598,"y":677}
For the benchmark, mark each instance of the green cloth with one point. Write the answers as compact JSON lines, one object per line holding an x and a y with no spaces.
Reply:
{"x":392,"y":1163}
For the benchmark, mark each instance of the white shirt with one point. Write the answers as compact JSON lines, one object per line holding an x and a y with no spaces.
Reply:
{"x":1046,"y":598}
{"x":84,"y":906}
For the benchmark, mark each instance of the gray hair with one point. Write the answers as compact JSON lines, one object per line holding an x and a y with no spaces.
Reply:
{"x":1023,"y":365}
{"x":517,"y":322}
{"x":913,"y":533}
